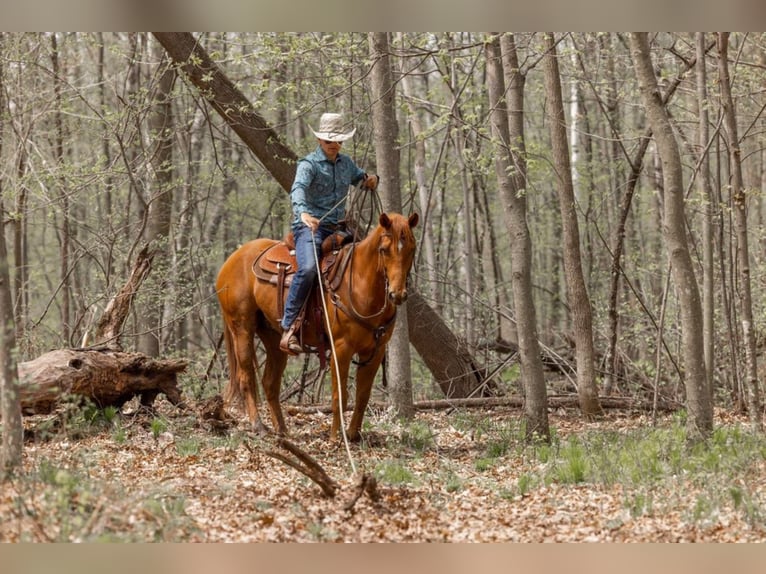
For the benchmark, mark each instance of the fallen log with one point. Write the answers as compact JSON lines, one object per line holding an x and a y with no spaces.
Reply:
{"x":556,"y":401}
{"x":105,"y":376}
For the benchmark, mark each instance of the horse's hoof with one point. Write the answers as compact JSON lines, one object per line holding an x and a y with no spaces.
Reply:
{"x":260,"y":429}
{"x":354,"y":437}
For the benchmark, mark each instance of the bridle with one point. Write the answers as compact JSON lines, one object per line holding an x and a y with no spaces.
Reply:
{"x":351,"y":309}
{"x":366,"y":320}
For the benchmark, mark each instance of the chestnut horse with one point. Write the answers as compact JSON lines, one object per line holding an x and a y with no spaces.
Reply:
{"x":361,"y":310}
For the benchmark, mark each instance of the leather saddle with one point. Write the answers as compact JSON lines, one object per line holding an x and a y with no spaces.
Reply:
{"x":277,"y":264}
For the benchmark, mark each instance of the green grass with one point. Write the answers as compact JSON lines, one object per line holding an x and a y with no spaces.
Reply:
{"x":642,"y":460}
{"x":648,"y":456}
{"x":394,"y":472}
{"x":417,"y":436}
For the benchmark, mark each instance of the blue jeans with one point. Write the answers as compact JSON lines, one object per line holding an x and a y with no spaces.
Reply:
{"x":304,"y":278}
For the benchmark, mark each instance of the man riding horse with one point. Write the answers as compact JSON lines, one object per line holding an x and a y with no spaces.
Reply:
{"x":318,"y":197}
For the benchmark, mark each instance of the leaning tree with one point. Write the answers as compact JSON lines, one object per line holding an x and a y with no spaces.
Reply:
{"x":451,"y":365}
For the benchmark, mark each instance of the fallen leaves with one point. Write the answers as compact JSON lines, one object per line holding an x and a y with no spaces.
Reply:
{"x":186,"y":484}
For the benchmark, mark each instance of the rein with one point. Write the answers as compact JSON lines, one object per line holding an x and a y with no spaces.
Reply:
{"x":364,"y":320}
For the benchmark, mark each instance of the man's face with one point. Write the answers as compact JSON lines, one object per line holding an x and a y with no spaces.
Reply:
{"x":330,"y":149}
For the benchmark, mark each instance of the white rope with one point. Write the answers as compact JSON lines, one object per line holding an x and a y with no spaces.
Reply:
{"x":332,"y":340}
{"x":335,"y":362}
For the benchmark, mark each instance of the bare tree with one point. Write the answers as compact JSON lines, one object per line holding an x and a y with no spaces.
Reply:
{"x":506,"y":118}
{"x":387,"y":154}
{"x":579,"y":301}
{"x":674,"y":230}
{"x":706,"y":192}
{"x":160,"y":182}
{"x":635,"y":162}
{"x":740,"y":220}
{"x":10,"y":401}
{"x":65,"y":234}
{"x":427,"y":236}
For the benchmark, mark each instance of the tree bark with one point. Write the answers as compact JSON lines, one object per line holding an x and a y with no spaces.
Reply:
{"x":740,"y":219}
{"x":700,"y":421}
{"x":579,"y":301}
{"x":231,"y":104}
{"x":280,"y":161}
{"x":10,"y":403}
{"x":385,"y":135}
{"x":506,"y":119}
{"x":708,"y":200}
{"x":103,"y":375}
{"x":160,"y":206}
{"x":109,"y":328}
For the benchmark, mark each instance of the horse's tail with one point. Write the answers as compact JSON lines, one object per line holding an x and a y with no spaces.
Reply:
{"x":232,"y":394}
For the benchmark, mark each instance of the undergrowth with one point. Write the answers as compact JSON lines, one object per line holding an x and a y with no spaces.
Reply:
{"x":724,"y":470}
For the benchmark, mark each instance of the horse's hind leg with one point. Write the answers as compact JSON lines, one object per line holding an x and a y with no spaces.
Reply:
{"x":244,"y":350}
{"x":276,"y":361}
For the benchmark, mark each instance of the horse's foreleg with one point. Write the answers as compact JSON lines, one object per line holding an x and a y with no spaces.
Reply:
{"x":343,"y":365}
{"x":365,"y":377}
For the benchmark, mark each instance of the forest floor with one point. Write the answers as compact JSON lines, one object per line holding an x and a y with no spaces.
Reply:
{"x":460,"y":476}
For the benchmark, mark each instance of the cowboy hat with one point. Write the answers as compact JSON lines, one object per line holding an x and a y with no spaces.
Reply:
{"x":332,"y":127}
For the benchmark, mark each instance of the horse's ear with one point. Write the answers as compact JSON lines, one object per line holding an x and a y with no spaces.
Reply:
{"x":385,"y":221}
{"x":413,"y":219}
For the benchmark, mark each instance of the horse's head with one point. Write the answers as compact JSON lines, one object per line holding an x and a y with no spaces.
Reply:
{"x":397,"y":251}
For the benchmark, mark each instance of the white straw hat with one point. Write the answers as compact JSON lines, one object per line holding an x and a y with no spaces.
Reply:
{"x":332,"y":127}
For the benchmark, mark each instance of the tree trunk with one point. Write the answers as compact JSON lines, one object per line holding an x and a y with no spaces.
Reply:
{"x":618,"y":240}
{"x":231,"y":104}
{"x":280,"y":161}
{"x":109,"y":328}
{"x":447,"y":358}
{"x":385,"y":135}
{"x":157,"y":234}
{"x":579,"y":302}
{"x":10,"y":404}
{"x":706,"y":193}
{"x":503,"y":72}
{"x":700,"y":422}
{"x":20,"y":247}
{"x":465,"y":229}
{"x":740,"y":219}
{"x":427,"y":236}
{"x":64,"y":235}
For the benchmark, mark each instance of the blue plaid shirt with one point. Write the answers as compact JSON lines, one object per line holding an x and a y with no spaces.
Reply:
{"x":320,"y":184}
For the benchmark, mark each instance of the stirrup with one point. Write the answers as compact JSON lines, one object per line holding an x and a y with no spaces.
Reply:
{"x":289,"y":343}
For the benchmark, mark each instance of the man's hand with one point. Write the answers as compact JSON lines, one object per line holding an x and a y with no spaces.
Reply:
{"x":310,"y":221}
{"x":371,"y":182}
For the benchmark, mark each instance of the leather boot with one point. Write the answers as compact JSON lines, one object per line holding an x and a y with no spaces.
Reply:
{"x":289,"y":342}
